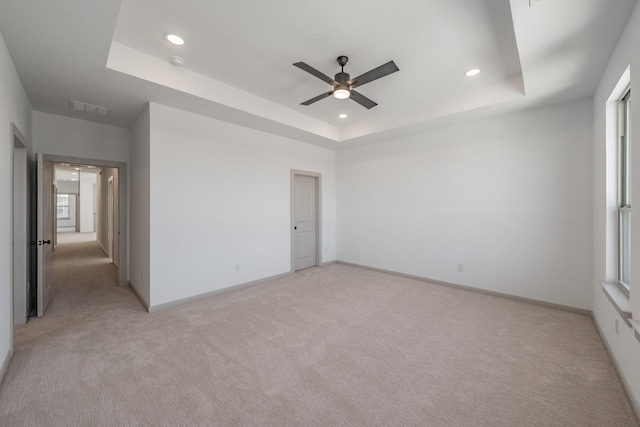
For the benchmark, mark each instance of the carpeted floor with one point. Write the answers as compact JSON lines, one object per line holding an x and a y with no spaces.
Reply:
{"x":69,"y":237}
{"x":332,"y":346}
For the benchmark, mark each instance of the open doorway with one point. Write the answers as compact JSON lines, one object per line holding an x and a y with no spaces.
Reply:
{"x":86,"y":206}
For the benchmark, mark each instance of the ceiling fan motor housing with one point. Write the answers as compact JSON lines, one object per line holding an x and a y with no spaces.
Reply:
{"x":342,"y":78}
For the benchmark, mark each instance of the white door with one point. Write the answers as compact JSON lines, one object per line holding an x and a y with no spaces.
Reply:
{"x":305,"y":222}
{"x":45,"y":232}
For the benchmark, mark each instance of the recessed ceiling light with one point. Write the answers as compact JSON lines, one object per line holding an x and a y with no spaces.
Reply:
{"x":342,"y":116}
{"x":77,"y":169}
{"x":74,"y":173}
{"x":472,"y":72}
{"x":174,"y":38}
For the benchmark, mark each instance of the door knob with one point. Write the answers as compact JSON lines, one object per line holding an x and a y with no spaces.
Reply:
{"x":295,"y":228}
{"x":41,"y":242}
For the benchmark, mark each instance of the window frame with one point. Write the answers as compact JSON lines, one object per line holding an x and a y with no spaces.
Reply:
{"x":68,"y":206}
{"x":624,"y":190}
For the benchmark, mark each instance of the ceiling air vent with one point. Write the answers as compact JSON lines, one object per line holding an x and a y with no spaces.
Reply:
{"x":83,"y":107}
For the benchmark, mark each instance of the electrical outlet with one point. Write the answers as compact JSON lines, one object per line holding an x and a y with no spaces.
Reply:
{"x":460,"y":268}
{"x":617,"y":327}
{"x":237,"y":267}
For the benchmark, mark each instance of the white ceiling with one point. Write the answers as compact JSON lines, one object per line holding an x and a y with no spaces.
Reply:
{"x":239,"y":58}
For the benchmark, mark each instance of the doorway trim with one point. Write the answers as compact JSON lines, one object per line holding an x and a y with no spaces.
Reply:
{"x":318,"y":231}
{"x":18,"y":256}
{"x":110,"y":218}
{"x":123,"y":207}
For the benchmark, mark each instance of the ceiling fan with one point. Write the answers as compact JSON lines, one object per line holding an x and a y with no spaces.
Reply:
{"x":343,"y":85}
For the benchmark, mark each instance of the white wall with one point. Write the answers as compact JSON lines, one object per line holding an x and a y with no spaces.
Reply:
{"x":508,"y":198}
{"x":70,"y":187}
{"x":625,"y":347}
{"x":14,"y":107}
{"x":139,"y":247}
{"x":65,"y":136}
{"x":233,"y":186}
{"x":87,"y":202}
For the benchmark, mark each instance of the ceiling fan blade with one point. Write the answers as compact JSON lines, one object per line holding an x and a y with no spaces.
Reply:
{"x":376,"y":73}
{"x":317,"y":98}
{"x":362,"y":100}
{"x":309,"y":69}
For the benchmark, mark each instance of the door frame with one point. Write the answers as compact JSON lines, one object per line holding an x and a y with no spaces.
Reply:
{"x":19,"y":254}
{"x":123,"y":207}
{"x":54,"y":210}
{"x":318,"y":213}
{"x":110,"y":218}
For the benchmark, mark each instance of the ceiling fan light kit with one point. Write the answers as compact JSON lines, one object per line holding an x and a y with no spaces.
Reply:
{"x":343,"y":85}
{"x":341,"y":92}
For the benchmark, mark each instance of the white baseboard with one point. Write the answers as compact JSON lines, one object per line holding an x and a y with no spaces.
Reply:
{"x":113,"y":260}
{"x":102,"y":247}
{"x":140,"y":298}
{"x":568,"y":308}
{"x":163,"y":306}
{"x":170,"y":304}
{"x":627,"y":389}
{"x":5,"y":365}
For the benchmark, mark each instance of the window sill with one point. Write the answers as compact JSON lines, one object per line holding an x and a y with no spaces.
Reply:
{"x":636,"y":328}
{"x":619,"y":299}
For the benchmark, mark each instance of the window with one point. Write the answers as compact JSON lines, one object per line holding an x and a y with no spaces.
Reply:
{"x":624,"y":191}
{"x":62,"y":206}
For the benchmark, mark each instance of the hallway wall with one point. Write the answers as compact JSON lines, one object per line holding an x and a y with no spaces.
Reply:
{"x":66,"y":136}
{"x":102,"y":228}
{"x":139,"y":220}
{"x":14,"y":108}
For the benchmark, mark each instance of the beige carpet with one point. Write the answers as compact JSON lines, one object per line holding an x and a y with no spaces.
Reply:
{"x":336,"y":346}
{"x":74,"y":237}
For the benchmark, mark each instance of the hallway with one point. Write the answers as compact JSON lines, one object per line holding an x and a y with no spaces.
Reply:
{"x":83,"y":280}
{"x":83,"y":276}
{"x":84,"y":289}
{"x":54,"y":356}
